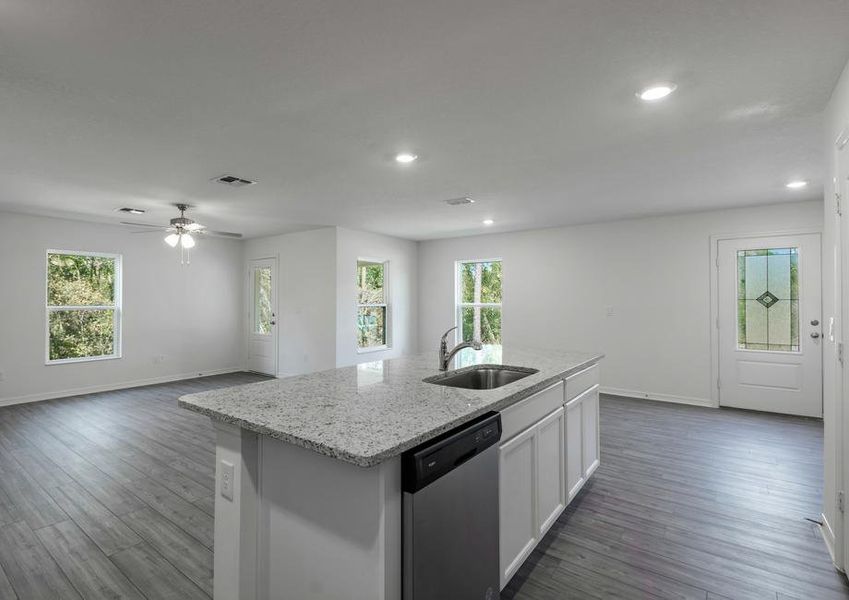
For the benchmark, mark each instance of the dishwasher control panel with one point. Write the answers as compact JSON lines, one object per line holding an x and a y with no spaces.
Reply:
{"x":433,"y":459}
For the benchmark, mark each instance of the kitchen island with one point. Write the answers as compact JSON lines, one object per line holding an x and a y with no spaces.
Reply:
{"x":308,"y":468}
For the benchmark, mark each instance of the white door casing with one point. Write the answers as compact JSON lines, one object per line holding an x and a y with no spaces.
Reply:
{"x":785,"y":375}
{"x":262,"y":316}
{"x":841,"y":293}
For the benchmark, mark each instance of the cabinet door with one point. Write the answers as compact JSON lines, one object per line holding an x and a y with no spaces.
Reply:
{"x":590,"y":431}
{"x":574,"y":447}
{"x":551,"y":469}
{"x":517,"y":496}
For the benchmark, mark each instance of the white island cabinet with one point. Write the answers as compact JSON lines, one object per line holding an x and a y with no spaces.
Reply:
{"x":308,"y":502}
{"x":549,"y":448}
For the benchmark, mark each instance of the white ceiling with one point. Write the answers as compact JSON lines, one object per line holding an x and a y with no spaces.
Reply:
{"x":528,"y":107}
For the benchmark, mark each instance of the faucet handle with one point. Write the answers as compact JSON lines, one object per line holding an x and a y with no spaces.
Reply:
{"x":445,"y":335}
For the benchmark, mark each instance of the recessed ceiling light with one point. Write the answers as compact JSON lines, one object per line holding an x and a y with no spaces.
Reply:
{"x":488,"y":221}
{"x":405,"y":158}
{"x":797,"y":185}
{"x":657,"y":91}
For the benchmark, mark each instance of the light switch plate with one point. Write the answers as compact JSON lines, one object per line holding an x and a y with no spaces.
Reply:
{"x":227,"y":475}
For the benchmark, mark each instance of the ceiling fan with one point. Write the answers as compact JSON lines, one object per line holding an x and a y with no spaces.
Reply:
{"x":181,"y":229}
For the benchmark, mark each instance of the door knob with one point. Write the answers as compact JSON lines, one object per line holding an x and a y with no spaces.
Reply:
{"x":815,"y":334}
{"x":815,"y":322}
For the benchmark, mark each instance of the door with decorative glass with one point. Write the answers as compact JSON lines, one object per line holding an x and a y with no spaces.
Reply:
{"x":770,"y":334}
{"x":262,"y":317}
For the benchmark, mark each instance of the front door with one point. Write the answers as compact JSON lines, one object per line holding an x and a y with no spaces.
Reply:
{"x":770,"y":330}
{"x":262,"y":318}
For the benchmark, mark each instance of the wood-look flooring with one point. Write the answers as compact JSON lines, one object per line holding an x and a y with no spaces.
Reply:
{"x":693,"y":503}
{"x":111,"y":496}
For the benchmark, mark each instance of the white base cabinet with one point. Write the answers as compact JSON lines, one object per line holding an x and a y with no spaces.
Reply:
{"x":518,"y":532}
{"x":550,"y":448}
{"x":574,"y":447}
{"x":590,"y":431}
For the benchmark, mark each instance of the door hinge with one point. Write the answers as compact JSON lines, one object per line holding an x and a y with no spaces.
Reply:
{"x":837,"y":204}
{"x":717,"y":322}
{"x":840,"y":353}
{"x":840,"y":501}
{"x":718,"y":383}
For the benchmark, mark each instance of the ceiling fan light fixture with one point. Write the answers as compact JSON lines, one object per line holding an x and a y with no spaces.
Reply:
{"x":172,"y":240}
{"x":187,"y":241}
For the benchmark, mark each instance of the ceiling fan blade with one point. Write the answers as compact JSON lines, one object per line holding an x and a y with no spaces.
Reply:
{"x":227,"y":234}
{"x":142,"y":224}
{"x":149,"y":231}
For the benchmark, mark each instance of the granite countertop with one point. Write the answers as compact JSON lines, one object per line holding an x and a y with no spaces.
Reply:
{"x":369,"y":413}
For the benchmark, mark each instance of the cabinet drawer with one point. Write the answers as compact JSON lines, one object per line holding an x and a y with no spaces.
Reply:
{"x":527,"y":412}
{"x":580,"y":382}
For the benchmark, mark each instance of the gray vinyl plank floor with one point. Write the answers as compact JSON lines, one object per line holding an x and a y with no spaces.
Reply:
{"x":691,"y":502}
{"x":110,"y":495}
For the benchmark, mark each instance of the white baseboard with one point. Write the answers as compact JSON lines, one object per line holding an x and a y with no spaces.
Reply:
{"x":828,"y":536}
{"x":693,"y":401}
{"x":93,"y":389}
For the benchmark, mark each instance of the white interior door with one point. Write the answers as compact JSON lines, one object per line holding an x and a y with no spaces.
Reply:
{"x":262,"y":318}
{"x":770,"y":330}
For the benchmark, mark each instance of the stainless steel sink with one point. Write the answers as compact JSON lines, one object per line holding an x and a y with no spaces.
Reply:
{"x":483,"y":377}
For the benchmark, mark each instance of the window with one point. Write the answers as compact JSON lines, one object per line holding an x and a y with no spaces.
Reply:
{"x":262,"y":301}
{"x":83,"y":306}
{"x":372,"y":307}
{"x":768,"y":299}
{"x":478,"y":288}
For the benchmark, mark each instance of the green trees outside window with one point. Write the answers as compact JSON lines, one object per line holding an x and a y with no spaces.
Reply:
{"x":479,"y":305}
{"x":372,"y":307}
{"x":82,"y":305}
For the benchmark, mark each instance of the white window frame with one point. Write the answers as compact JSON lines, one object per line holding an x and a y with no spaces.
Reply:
{"x":116,"y":308}
{"x":386,"y":304}
{"x":459,"y":305}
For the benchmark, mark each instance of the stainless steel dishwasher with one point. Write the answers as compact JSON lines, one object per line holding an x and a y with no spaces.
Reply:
{"x":450,"y":514}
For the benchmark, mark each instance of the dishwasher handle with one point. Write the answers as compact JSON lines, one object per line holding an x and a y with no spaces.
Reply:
{"x":426,"y":463}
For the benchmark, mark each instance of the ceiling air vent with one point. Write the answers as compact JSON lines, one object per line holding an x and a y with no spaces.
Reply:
{"x":234,"y":181}
{"x":459,"y":201}
{"x":132,"y":211}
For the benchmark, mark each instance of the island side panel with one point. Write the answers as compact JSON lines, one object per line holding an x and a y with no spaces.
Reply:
{"x":328,"y":529}
{"x":235,"y":574}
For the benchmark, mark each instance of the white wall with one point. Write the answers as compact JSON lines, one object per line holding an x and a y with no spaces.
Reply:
{"x":653,"y":272}
{"x":403,"y":263}
{"x":306,"y":297}
{"x":836,"y":119}
{"x":182,"y":313}
{"x":317,"y":299}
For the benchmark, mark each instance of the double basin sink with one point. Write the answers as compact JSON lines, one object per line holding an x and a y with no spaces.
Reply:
{"x":481,"y":377}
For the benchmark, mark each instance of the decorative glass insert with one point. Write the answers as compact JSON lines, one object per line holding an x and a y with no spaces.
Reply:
{"x":262,"y":301}
{"x":768,"y":299}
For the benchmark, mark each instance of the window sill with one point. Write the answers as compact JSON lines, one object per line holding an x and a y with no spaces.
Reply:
{"x":373,"y":349}
{"x":67,"y":361}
